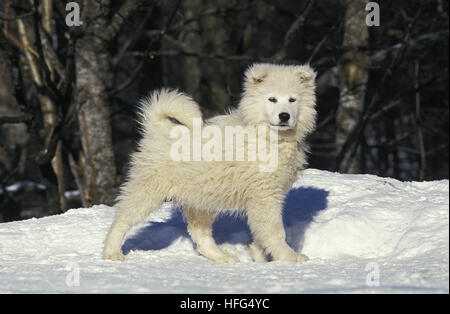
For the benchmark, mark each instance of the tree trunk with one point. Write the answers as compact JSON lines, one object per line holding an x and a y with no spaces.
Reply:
{"x":353,"y":75}
{"x":49,"y":118}
{"x":57,"y":161}
{"x":92,"y":66}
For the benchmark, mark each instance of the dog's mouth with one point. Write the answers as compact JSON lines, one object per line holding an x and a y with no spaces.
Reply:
{"x":282,"y":126}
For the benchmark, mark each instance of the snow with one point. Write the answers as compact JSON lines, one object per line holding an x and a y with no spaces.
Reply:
{"x":363,"y":234}
{"x":23,"y":185}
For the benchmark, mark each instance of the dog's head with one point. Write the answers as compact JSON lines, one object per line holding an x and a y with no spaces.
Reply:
{"x":282,"y":96}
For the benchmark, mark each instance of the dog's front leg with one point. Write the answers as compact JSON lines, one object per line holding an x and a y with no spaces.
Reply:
{"x":266,"y":223}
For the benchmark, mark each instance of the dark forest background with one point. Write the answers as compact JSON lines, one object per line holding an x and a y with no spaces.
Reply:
{"x":68,"y":94}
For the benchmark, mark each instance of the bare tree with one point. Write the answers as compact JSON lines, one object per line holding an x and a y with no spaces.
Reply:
{"x":73,"y":90}
{"x":211,"y":30}
{"x":87,"y":56}
{"x":93,"y":78}
{"x":48,"y":106}
{"x":353,"y":75}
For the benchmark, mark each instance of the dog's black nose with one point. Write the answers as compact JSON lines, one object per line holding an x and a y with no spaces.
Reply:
{"x":284,"y":117}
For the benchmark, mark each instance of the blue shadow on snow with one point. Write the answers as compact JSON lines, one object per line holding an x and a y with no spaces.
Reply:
{"x":300,"y":207}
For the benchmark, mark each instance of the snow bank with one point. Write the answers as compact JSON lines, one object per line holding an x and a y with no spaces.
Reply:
{"x":362,"y":233}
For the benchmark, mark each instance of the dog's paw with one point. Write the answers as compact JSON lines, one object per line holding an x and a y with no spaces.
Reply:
{"x":302,"y":258}
{"x":293,"y":257}
{"x":256,"y":253}
{"x":221,"y":257}
{"x":226,"y":258}
{"x":114,"y":256}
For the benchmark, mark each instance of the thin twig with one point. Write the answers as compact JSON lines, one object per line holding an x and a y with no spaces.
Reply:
{"x":293,"y":31}
{"x":5,"y":17}
{"x":127,"y":83}
{"x":24,"y":47}
{"x":423,"y":160}
{"x":22,"y":118}
{"x":125,"y":11}
{"x":323,"y":41}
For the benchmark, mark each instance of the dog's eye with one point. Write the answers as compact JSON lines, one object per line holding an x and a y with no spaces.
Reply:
{"x":292,"y":99}
{"x":272,"y":99}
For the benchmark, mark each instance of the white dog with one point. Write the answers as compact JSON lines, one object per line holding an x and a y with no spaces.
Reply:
{"x":278,"y":98}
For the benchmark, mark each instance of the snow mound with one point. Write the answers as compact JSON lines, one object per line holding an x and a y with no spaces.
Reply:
{"x":362,"y":233}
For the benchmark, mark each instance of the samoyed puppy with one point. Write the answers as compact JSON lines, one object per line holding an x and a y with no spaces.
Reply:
{"x":278,"y":106}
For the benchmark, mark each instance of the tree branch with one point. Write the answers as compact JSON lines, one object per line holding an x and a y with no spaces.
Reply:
{"x":329,"y":77}
{"x":119,"y":18}
{"x":125,"y":84}
{"x":423,"y":160}
{"x":4,"y":16}
{"x":51,"y":57}
{"x":22,"y":118}
{"x":295,"y":28}
{"x":24,"y":47}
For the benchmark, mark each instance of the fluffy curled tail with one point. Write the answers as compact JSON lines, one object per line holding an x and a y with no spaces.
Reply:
{"x":168,"y":108}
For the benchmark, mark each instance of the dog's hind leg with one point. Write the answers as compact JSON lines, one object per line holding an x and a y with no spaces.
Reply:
{"x":266,"y":223}
{"x":256,"y":252}
{"x":200,"y":228}
{"x":132,"y":208}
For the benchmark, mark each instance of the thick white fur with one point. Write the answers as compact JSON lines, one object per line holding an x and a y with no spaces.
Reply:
{"x":206,"y":188}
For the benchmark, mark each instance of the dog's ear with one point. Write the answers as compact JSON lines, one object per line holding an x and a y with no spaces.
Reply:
{"x":305,"y":73}
{"x":256,"y":74}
